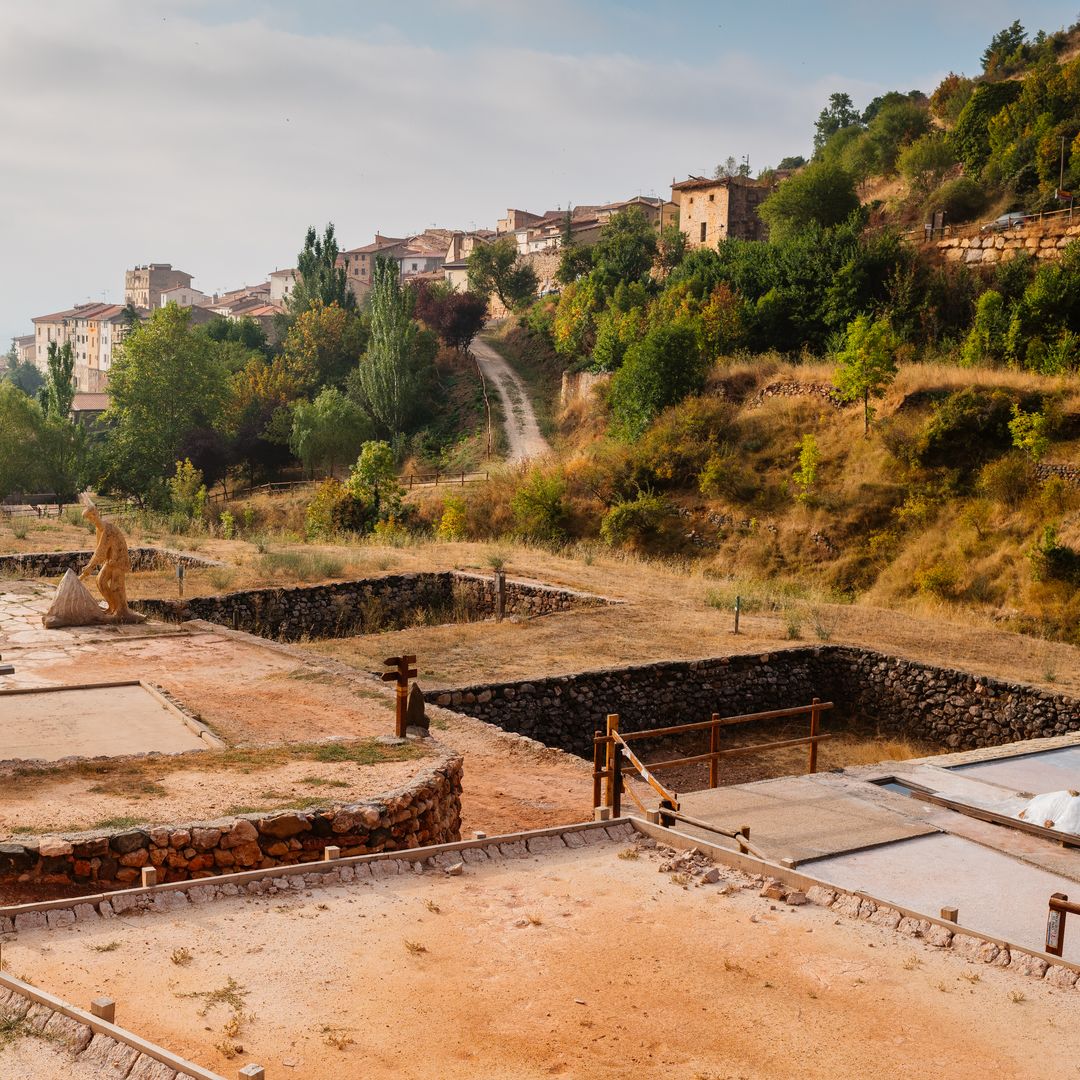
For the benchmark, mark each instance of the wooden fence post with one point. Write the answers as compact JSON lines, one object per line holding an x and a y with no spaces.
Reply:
{"x":609,"y":758}
{"x":616,"y":806}
{"x":597,"y":765}
{"x":714,"y":746}
{"x":814,"y":714}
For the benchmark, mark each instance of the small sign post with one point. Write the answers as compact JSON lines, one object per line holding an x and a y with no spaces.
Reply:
{"x":180,"y":580}
{"x":401,"y":673}
{"x":1055,"y":923}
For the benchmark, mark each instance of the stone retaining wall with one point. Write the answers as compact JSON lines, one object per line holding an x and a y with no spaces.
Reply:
{"x":54,"y":563}
{"x":872,"y":691}
{"x":366,"y":606}
{"x":424,"y":812}
{"x":1069,"y":473}
{"x":1043,"y":239}
{"x":792,"y":388}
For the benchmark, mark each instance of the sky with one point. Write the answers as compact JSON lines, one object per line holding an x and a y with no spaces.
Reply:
{"x":210,"y":134}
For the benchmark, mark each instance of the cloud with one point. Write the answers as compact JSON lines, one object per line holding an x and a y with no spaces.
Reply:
{"x":136,"y":134}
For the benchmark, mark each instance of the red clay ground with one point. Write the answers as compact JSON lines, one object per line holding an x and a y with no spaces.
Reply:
{"x":573,"y":964}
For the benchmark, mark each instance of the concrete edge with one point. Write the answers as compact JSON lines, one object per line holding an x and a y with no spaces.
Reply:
{"x":751,"y":865}
{"x":325,"y":866}
{"x":103,"y":1027}
{"x":189,"y":720}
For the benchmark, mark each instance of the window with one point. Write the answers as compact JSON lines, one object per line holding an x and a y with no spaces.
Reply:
{"x":712,"y":198}
{"x":704,"y":226}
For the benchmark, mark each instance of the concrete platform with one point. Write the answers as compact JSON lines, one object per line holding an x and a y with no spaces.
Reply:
{"x":995,"y":893}
{"x":48,"y":725}
{"x":800,"y":817}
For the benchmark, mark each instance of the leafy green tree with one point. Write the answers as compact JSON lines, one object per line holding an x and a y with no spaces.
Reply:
{"x":822,"y":194}
{"x":671,"y":248}
{"x":574,"y":262}
{"x":925,"y":161}
{"x":373,"y":480}
{"x":328,"y":430}
{"x":319,"y":279}
{"x":496,"y":268}
{"x":805,"y":475}
{"x":866,"y":366}
{"x":627,"y":247}
{"x":838,"y":114}
{"x":539,"y":508}
{"x":187,"y":492}
{"x":1006,"y":47}
{"x":792,"y":162}
{"x":323,"y":345}
{"x":165,"y":381}
{"x":985,"y":343}
{"x":393,"y":375}
{"x":58,"y":392}
{"x":659,"y":370}
{"x":1030,"y":432}
{"x":971,"y":136}
{"x":25,"y":376}
{"x":894,"y":127}
{"x":20,"y":427}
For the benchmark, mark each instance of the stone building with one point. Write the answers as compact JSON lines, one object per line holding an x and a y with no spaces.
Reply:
{"x":144,"y":285}
{"x":719,"y":209}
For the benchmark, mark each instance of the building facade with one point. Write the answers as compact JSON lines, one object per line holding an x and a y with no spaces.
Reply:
{"x":711,"y":210}
{"x":143,"y":285}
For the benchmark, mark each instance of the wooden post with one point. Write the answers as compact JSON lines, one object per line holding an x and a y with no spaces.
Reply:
{"x":814,"y":717}
{"x":500,"y":595}
{"x":402,"y":673}
{"x":744,"y":833}
{"x":738,"y":608}
{"x":714,"y":745}
{"x":616,"y":806}
{"x":597,"y":766}
{"x":609,"y":758}
{"x":1055,"y":924}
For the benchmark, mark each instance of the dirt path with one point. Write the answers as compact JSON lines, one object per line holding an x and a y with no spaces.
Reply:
{"x":522,"y":430}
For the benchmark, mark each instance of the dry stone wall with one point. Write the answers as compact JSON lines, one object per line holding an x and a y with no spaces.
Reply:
{"x":426,"y":811}
{"x":366,"y":606}
{"x":55,"y":563}
{"x":872,"y":692}
{"x":1043,"y":239}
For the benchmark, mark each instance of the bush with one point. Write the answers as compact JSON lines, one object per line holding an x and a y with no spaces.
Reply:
{"x":187,"y":492}
{"x":538,"y":507}
{"x":675,"y":449}
{"x":1008,"y":480}
{"x":805,"y":475}
{"x":634,"y":520}
{"x":967,"y":428}
{"x":228,"y":524}
{"x":1052,"y":560}
{"x":961,"y":199}
{"x":660,"y":370}
{"x":453,"y":522}
{"x":940,"y":580}
{"x":334,"y":509}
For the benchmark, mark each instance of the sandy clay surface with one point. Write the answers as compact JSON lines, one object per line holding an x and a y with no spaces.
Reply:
{"x":31,"y":1058}
{"x":579,"y":963}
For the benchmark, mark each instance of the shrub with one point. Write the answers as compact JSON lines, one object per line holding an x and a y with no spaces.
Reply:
{"x":1007,"y":480}
{"x":805,"y":475}
{"x":1052,"y":560}
{"x":660,"y":370}
{"x":634,"y":520}
{"x":452,"y":523}
{"x":228,"y":524}
{"x":967,"y":428}
{"x":674,"y":450}
{"x":187,"y":492}
{"x":538,"y":507}
{"x":961,"y":199}
{"x":1029,"y":433}
{"x":940,"y":580}
{"x":334,"y":509}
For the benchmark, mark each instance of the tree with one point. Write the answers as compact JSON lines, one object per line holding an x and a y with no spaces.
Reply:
{"x":457,"y":317}
{"x":805,"y":475}
{"x":659,"y":370}
{"x":130,"y":315}
{"x":789,"y":164}
{"x":373,"y":480}
{"x":731,"y":167}
{"x":58,"y":392}
{"x":867,"y":364}
{"x":627,"y":247}
{"x":671,"y":249}
{"x":319,"y":279}
{"x":822,"y":194}
{"x":392,"y":375}
{"x":925,"y":161}
{"x":165,"y":381}
{"x":25,"y":375}
{"x":838,"y":114}
{"x":495,"y":268}
{"x":20,"y":426}
{"x":1005,"y":47}
{"x":323,"y":345}
{"x":327,"y":431}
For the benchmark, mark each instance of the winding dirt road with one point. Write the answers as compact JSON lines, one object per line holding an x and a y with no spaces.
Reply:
{"x":522,"y":431}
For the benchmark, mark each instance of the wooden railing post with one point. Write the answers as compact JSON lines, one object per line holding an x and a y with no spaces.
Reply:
{"x":814,"y":716}
{"x":597,"y":766}
{"x":714,"y":746}
{"x":609,"y":759}
{"x":616,"y":805}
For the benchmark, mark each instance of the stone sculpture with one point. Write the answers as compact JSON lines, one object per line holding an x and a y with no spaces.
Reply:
{"x":111,"y":555}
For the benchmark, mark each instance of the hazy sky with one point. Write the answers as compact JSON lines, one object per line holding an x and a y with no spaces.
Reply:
{"x":210,"y":134}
